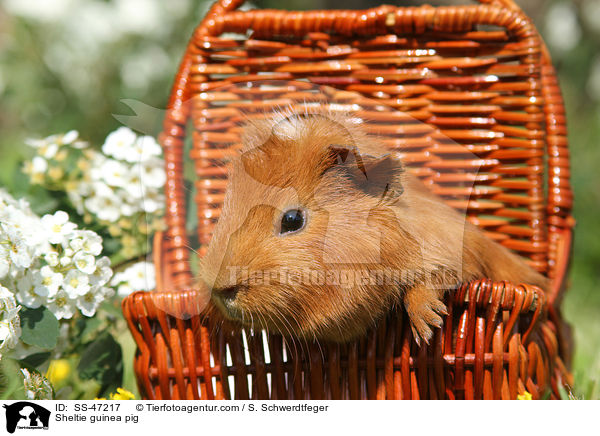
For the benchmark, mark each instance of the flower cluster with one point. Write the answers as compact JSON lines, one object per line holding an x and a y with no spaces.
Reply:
{"x":10,"y":328}
{"x":49,"y":262}
{"x":126,"y":182}
{"x":119,"y":188}
{"x":137,"y":277}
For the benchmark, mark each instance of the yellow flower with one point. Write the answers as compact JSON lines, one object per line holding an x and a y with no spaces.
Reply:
{"x":115,"y":230}
{"x":83,"y":164}
{"x":37,"y":178}
{"x":125,"y":223}
{"x":55,"y":173}
{"x":525,"y":396}
{"x":71,"y":186}
{"x":129,"y":241}
{"x":130,"y":245}
{"x":143,"y":228}
{"x":99,"y":399}
{"x":61,"y":155}
{"x":122,"y":394}
{"x":159,"y":224}
{"x":58,"y":371}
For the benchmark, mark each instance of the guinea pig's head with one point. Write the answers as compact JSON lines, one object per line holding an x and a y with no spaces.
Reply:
{"x":305,"y":208}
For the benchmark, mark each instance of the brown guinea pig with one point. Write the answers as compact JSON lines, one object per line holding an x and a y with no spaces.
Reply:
{"x":322,"y":233}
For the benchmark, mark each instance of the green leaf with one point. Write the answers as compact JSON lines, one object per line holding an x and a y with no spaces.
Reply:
{"x":102,"y":361}
{"x":111,"y":309}
{"x":33,"y":361}
{"x":87,"y":328}
{"x":42,"y":201}
{"x":20,"y":182}
{"x":39,"y":327}
{"x":110,"y":247}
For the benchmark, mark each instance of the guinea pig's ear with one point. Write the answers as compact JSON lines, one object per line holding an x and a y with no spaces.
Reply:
{"x":253,"y":160}
{"x":376,"y":176}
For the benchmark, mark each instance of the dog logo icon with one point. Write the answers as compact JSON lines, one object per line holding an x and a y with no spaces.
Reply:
{"x":26,"y":415}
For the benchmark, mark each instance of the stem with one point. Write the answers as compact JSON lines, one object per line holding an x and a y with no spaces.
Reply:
{"x":128,"y":262}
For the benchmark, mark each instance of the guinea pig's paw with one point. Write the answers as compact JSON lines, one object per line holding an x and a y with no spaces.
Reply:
{"x":424,"y":310}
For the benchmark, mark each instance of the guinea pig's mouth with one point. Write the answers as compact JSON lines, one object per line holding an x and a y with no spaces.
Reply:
{"x":226,"y":299}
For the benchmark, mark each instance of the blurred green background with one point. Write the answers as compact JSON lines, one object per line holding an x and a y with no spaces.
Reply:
{"x":66,"y":64}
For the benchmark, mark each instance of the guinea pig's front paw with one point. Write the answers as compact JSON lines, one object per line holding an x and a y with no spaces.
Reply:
{"x":424,"y":309}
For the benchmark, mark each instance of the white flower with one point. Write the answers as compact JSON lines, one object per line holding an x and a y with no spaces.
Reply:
{"x":144,"y":148}
{"x":9,"y":335}
{"x":27,"y":295}
{"x":21,"y":225}
{"x":103,"y":272}
{"x":104,"y":203}
{"x":563,"y":31}
{"x":51,"y":258}
{"x":62,"y":305}
{"x":47,"y":148}
{"x":139,"y":69}
{"x":128,"y":205}
{"x":124,"y":289}
{"x":119,"y":143}
{"x":37,"y":168}
{"x":41,"y":10}
{"x":96,"y":162}
{"x":87,"y":241}
{"x":76,"y":283}
{"x":57,"y":226}
{"x":65,"y":261}
{"x":134,"y":189}
{"x":89,"y":302}
{"x":70,"y":137}
{"x":107,"y":292}
{"x":152,"y":201}
{"x":10,"y":327}
{"x":139,"y":276}
{"x":137,"y":16}
{"x":84,"y":262}
{"x":4,"y":263}
{"x":47,"y":282}
{"x":20,"y":254}
{"x":151,"y":172}
{"x":37,"y":143}
{"x":36,"y":386}
{"x":114,"y":173}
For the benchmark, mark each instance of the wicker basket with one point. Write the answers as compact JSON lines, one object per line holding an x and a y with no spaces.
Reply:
{"x":474,"y":78}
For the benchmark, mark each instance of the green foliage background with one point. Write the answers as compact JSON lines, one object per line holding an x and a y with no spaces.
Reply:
{"x":40,"y":95}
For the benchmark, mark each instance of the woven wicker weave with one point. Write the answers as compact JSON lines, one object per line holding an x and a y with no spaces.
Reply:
{"x":476,"y":109}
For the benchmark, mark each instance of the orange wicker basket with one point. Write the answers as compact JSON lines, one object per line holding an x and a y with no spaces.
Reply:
{"x":474,"y":78}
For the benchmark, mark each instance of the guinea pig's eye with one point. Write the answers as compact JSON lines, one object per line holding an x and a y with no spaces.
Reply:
{"x":292,"y":221}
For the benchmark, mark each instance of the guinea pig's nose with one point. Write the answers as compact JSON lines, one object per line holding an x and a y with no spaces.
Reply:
{"x":227,"y":295}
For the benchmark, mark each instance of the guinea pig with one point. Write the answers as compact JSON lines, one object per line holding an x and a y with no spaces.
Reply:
{"x":323,"y":232}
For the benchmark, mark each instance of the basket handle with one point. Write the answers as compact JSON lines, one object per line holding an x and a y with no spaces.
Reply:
{"x":510,"y":4}
{"x":222,"y":6}
{"x":175,"y":248}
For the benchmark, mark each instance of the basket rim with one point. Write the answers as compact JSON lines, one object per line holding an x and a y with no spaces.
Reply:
{"x":383,"y":19}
